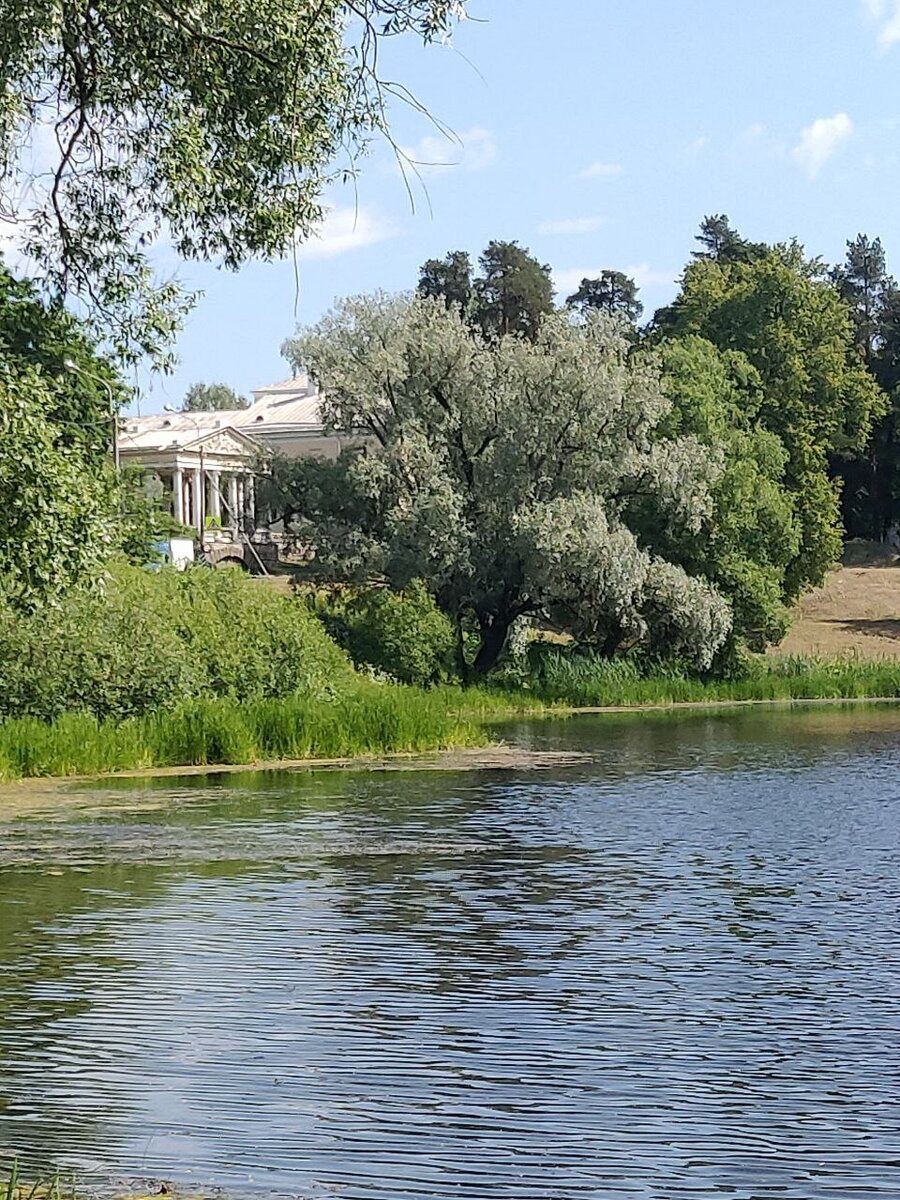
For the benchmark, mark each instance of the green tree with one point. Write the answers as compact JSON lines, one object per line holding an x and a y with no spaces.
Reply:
{"x":863,"y":284}
{"x":217,"y":125}
{"x":56,"y":499}
{"x":721,"y":243}
{"x":448,"y":278}
{"x":868,"y":476}
{"x":212,"y":397}
{"x":57,"y":490}
{"x":513,"y":291}
{"x":782,"y":312}
{"x":754,"y":532}
{"x":503,"y":473}
{"x":613,"y":293}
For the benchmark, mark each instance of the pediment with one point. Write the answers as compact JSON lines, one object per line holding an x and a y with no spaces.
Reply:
{"x":228,"y":442}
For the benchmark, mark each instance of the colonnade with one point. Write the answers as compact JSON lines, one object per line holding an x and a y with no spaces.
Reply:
{"x":214,"y":498}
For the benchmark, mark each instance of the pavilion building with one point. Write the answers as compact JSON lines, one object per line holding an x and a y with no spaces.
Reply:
{"x":207,"y":463}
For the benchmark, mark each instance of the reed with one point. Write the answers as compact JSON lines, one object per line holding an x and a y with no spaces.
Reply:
{"x":374,"y":719}
{"x":371,"y":719}
{"x":585,"y":681}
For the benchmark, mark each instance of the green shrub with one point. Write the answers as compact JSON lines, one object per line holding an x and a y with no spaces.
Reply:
{"x":142,"y":641}
{"x":402,"y":634}
{"x":111,"y":651}
{"x":252,"y":640}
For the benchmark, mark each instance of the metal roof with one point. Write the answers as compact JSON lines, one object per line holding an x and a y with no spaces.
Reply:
{"x":281,"y":407}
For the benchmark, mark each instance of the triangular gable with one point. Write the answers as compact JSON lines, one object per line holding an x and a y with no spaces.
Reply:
{"x":225,"y":441}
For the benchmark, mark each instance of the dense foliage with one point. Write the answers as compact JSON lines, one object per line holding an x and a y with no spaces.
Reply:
{"x":512,"y":476}
{"x":213,"y":397}
{"x":810,"y":388}
{"x":403,"y":635}
{"x":515,"y":482}
{"x":871,"y":476}
{"x":143,"y":641}
{"x":511,"y":293}
{"x":754,"y":534}
{"x":58,"y":496}
{"x":216,"y":125}
{"x":612,"y":292}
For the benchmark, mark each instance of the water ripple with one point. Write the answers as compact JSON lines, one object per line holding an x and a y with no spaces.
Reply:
{"x":667,"y":973}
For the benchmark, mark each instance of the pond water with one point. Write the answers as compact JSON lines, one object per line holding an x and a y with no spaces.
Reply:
{"x":668,"y":970}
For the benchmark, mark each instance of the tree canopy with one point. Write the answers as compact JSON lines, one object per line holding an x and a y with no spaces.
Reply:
{"x":57,"y":492}
{"x":213,"y":397}
{"x":449,"y":278}
{"x":511,"y":293}
{"x":782,"y":312}
{"x":870,"y":475}
{"x":612,"y":292}
{"x":754,"y":533}
{"x":214,"y":126}
{"x":510,"y":475}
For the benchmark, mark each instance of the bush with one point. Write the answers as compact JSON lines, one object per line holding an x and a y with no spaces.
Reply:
{"x":143,"y":641}
{"x":403,"y":634}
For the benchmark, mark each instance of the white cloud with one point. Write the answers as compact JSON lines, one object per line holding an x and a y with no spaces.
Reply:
{"x":572,"y":225}
{"x":600,"y":170}
{"x":344,"y":229}
{"x":699,"y":144}
{"x":752,"y":133}
{"x":566,"y":281}
{"x":472,"y":150}
{"x":886,"y":14}
{"x":820,"y":140}
{"x":889,"y":33}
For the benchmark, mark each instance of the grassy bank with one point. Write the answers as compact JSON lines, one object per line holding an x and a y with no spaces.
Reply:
{"x":585,"y":682}
{"x":374,"y":719}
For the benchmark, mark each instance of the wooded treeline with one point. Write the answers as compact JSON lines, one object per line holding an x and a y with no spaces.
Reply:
{"x":670,"y":487}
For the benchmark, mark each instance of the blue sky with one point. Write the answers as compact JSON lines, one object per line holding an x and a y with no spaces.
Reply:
{"x":597,"y":133}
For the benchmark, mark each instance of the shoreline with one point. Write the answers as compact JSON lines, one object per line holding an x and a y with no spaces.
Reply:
{"x":493,"y":756}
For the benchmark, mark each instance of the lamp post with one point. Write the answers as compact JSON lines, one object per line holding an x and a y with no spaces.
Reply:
{"x":70,"y":365}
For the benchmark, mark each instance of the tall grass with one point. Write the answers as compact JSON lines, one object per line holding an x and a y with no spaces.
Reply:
{"x":585,"y":681}
{"x":371,"y":719}
{"x":13,"y":1187}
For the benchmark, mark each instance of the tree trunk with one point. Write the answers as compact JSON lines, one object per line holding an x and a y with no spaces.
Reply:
{"x":462,"y":666}
{"x":493,"y":639}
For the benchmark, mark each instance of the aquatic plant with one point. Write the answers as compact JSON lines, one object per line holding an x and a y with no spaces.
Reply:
{"x":367,"y":720}
{"x":584,"y":680}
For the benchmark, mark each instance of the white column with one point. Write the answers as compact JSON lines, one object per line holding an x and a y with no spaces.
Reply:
{"x":178,"y":493}
{"x":196,"y":502}
{"x":215,"y":496}
{"x":234,"y":513}
{"x":251,"y":502}
{"x":241,"y":504}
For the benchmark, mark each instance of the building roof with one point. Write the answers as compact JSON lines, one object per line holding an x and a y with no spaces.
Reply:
{"x":292,"y":405}
{"x":175,"y":431}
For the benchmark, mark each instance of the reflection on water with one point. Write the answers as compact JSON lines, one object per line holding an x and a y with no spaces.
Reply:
{"x":667,"y":972}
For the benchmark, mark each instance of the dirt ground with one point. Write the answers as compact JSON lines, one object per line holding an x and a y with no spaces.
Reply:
{"x":857,"y":612}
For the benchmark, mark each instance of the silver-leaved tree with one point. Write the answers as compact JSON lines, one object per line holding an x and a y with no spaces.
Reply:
{"x":511,"y":476}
